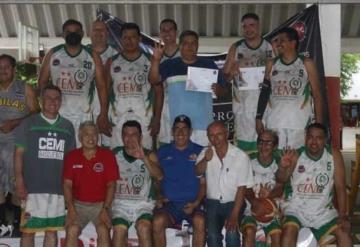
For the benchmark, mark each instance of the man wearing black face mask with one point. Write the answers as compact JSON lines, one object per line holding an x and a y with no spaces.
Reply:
{"x":77,"y":70}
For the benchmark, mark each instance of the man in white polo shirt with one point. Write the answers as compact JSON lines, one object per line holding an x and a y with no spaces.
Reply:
{"x":228,"y":173}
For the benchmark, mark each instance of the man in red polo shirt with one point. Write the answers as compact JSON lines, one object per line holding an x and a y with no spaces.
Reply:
{"x":90,"y":174}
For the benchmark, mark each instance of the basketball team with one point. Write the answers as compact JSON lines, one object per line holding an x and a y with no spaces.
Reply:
{"x":115,"y":138}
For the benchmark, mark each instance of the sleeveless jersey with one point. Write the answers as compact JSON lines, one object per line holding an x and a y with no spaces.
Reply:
{"x":74,"y":75}
{"x":312,"y":190}
{"x":12,"y":105}
{"x":105,"y":55}
{"x":165,"y":122}
{"x":290,"y":104}
{"x":131,"y":90}
{"x":166,"y":57}
{"x":246,"y":100}
{"x":264,"y":174}
{"x":135,"y":183}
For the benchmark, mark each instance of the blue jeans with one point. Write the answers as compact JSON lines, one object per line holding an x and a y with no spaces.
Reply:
{"x":216,"y":215}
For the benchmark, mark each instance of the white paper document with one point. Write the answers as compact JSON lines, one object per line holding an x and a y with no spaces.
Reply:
{"x":250,"y":78}
{"x":201,"y":79}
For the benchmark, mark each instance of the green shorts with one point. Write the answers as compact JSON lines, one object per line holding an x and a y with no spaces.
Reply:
{"x":319,"y":233}
{"x":121,"y":221}
{"x":269,"y":228}
{"x":43,"y":212}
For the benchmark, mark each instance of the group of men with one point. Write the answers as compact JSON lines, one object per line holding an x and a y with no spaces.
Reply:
{"x":196,"y":175}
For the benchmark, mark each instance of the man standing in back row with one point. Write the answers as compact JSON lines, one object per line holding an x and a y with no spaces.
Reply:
{"x":132,"y":97}
{"x":291,"y":82}
{"x":172,"y":75}
{"x":251,"y":52}
{"x":77,"y":71}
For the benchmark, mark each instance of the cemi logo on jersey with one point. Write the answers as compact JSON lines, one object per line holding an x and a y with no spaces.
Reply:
{"x":137,"y":183}
{"x":12,"y":103}
{"x":67,"y":83}
{"x":51,"y":147}
{"x":282,"y":88}
{"x":313,"y":188}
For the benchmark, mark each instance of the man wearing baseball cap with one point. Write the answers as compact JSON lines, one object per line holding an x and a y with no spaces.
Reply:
{"x":181,"y":192}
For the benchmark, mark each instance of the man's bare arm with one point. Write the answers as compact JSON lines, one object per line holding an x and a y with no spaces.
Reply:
{"x":44,"y":74}
{"x":315,"y":88}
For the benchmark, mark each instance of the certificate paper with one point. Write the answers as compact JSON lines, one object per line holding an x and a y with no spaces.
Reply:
{"x":250,"y":78}
{"x":201,"y":79}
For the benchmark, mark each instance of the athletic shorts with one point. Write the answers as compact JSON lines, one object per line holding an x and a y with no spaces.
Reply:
{"x":88,"y":212}
{"x":321,"y":234}
{"x":294,"y":138}
{"x":7,"y":177}
{"x":245,"y":131}
{"x":76,"y":120}
{"x":116,"y":139}
{"x":176,"y":213}
{"x":43,"y":212}
{"x":269,"y":228}
{"x":126,"y":213}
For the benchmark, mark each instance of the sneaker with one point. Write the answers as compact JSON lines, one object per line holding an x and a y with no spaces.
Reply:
{"x":6,"y":230}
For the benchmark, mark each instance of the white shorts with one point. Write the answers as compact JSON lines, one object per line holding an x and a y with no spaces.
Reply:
{"x":43,"y":212}
{"x":293,"y":138}
{"x":76,"y":120}
{"x":126,"y":212}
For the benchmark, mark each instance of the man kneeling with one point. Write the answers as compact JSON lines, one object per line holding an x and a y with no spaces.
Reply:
{"x":90,"y":173}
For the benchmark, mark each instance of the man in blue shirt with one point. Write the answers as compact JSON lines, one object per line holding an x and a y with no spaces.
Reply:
{"x":181,"y":191}
{"x":173,"y":74}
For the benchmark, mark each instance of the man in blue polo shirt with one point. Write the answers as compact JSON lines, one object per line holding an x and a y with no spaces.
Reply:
{"x":173,"y":74}
{"x":181,"y":191}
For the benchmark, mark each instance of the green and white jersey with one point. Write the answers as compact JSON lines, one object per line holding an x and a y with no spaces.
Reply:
{"x":131,"y":90}
{"x":246,"y":100}
{"x":108,"y":53}
{"x":166,"y":57}
{"x":165,"y":122}
{"x":290,"y":104}
{"x":311,"y":196}
{"x":264,"y":175}
{"x":75,"y":76}
{"x":135,"y":184}
{"x":105,"y":55}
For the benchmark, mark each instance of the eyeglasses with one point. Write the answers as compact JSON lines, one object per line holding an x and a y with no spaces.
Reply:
{"x":265,"y":142}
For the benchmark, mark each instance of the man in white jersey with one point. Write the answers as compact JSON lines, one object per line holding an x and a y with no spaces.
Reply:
{"x":77,"y":71}
{"x":264,"y":164}
{"x":99,"y":43}
{"x":17,"y":101}
{"x":134,"y":199}
{"x":168,"y":33}
{"x":250,"y":52}
{"x":132,"y":97}
{"x":314,"y":172}
{"x":291,"y":82}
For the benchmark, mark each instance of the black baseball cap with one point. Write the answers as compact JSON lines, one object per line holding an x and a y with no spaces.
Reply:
{"x":183,"y":119}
